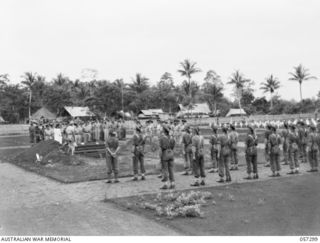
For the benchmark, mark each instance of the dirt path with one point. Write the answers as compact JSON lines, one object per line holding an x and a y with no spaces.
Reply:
{"x":35,"y":205}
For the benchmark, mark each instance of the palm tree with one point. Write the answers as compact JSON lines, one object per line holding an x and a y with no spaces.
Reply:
{"x":300,"y":74}
{"x":271,"y":85}
{"x":239,"y":81}
{"x":139,"y":83}
{"x":188,"y":68}
{"x":29,"y":79}
{"x":121,"y":85}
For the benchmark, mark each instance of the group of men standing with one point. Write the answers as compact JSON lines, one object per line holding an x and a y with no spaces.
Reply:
{"x":292,"y":141}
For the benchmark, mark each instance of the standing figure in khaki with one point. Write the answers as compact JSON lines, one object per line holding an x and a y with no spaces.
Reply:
{"x":274,"y":151}
{"x":138,"y":154}
{"x":251,"y":154}
{"x":313,"y":149}
{"x":293,"y":149}
{"x":224,"y":153}
{"x":266,"y":144}
{"x":198,"y":157}
{"x":213,"y":141}
{"x":303,"y":141}
{"x":112,"y":148}
{"x":285,"y":148}
{"x":167,"y":144}
{"x":78,"y":134}
{"x":187,"y":151}
{"x":233,"y":135}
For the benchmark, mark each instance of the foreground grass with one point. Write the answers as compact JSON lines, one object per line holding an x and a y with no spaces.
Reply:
{"x":285,"y":206}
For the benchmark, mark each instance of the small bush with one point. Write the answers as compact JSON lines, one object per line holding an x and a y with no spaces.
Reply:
{"x":183,"y":204}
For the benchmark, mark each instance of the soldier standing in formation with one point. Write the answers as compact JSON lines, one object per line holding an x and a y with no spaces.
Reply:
{"x":303,"y":138}
{"x":274,"y":152}
{"x":214,"y":149}
{"x":187,"y":151}
{"x":313,"y":148}
{"x":198,"y":157}
{"x":112,"y":148}
{"x":138,"y":154}
{"x":293,"y":149}
{"x":224,"y":153}
{"x":251,"y":154}
{"x":266,"y":144}
{"x":285,"y":149}
{"x":167,"y":144}
{"x":233,"y":135}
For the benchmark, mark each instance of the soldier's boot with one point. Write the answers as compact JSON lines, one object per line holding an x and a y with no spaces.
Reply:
{"x":172,"y":185}
{"x":195,"y":183}
{"x":221,"y":180}
{"x":228,"y":179}
{"x":143,"y":177}
{"x":248,"y":177}
{"x":164,"y":186}
{"x":202,"y":183}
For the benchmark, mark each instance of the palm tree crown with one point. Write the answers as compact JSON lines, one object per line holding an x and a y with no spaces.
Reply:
{"x":239,"y":82}
{"x":271,"y":85}
{"x":188,"y":68}
{"x":300,"y":75}
{"x":139,"y":83}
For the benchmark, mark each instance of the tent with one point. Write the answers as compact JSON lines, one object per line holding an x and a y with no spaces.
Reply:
{"x":77,"y":111}
{"x":151,"y":113}
{"x":236,"y":112}
{"x":199,"y":109}
{"x":43,"y":113}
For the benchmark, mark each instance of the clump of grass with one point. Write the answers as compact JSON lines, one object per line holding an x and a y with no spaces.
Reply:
{"x":185,"y":204}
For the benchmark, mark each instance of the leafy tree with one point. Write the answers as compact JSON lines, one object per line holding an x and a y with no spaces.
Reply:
{"x":188,"y":68}
{"x":270,"y":85}
{"x":300,"y":75}
{"x":212,"y":89}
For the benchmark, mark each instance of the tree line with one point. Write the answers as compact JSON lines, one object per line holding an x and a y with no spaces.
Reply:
{"x":105,"y":97}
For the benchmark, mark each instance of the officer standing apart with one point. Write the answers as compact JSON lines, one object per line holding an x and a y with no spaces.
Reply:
{"x":112,"y":148}
{"x":198,"y":157}
{"x":224,"y":153}
{"x":167,"y":144}
{"x":251,"y":154}
{"x":274,"y":151}
{"x":138,"y":154}
{"x":233,"y":135}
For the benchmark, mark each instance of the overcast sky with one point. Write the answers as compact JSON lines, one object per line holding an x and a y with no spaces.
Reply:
{"x":122,"y":37}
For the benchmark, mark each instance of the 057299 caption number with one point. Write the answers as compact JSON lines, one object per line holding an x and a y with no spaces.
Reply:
{"x":306,"y":238}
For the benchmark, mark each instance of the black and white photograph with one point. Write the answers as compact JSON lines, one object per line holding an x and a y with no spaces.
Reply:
{"x":159,"y":118}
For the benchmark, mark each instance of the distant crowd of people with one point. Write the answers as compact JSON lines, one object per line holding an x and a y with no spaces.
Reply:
{"x":296,"y":142}
{"x":75,"y":132}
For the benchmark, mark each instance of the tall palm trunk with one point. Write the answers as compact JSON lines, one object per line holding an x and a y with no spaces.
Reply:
{"x":30,"y":97}
{"x":300,"y":85}
{"x":271,"y":101}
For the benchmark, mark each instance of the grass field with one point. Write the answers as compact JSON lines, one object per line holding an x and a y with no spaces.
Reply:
{"x":285,"y":206}
{"x":95,"y":168}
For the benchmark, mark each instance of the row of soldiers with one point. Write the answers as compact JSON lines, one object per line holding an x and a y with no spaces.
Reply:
{"x":75,"y":132}
{"x":223,"y":150}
